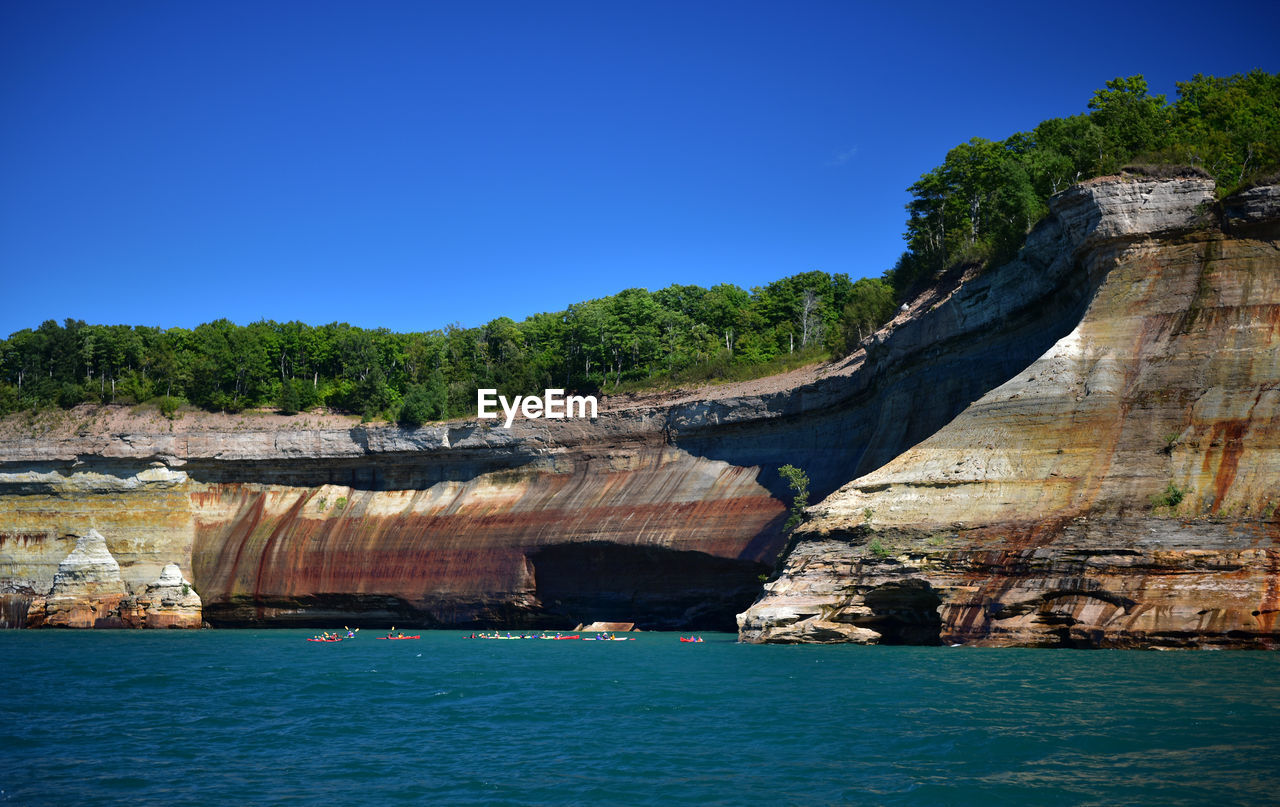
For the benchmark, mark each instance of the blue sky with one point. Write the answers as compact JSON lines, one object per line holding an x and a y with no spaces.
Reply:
{"x":412,"y":164}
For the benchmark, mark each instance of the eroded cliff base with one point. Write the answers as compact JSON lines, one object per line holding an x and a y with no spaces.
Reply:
{"x":1067,"y":585}
{"x":653,"y":587}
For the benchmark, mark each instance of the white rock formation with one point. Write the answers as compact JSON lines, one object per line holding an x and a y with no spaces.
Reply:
{"x":88,"y":569}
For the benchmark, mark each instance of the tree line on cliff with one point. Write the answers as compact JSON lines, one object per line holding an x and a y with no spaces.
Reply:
{"x":635,"y":337}
{"x":973,"y":209}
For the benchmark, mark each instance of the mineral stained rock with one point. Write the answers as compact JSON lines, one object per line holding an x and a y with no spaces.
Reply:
{"x":1122,"y":491}
{"x":87,"y":589}
{"x":89,"y":592}
{"x":664,"y":512}
{"x":1127,"y":359}
{"x":168,"y":602}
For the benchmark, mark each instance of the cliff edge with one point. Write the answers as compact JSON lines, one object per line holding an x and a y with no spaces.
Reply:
{"x":1121,"y":491}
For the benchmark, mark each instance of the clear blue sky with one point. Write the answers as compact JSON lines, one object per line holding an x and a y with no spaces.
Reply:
{"x":410,"y":164}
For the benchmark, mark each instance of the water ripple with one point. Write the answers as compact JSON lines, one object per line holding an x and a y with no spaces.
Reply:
{"x":260,"y":717}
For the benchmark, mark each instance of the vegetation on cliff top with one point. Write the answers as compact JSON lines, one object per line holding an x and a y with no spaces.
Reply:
{"x":676,"y":334}
{"x":978,"y":206}
{"x":975,"y":208}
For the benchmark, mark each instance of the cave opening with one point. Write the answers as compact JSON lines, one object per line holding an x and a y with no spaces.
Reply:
{"x":655,"y":587}
{"x":905,"y":613}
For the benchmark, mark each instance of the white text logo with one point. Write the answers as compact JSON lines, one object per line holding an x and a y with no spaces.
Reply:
{"x":552,"y":404}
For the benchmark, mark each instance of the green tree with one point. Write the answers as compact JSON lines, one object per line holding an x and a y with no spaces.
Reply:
{"x":424,"y":402}
{"x":1228,"y":126}
{"x":798,"y":481}
{"x":871,"y":305}
{"x":1131,"y":120}
{"x":290,"y":402}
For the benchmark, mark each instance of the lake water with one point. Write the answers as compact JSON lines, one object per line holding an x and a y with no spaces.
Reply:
{"x":266,"y":718}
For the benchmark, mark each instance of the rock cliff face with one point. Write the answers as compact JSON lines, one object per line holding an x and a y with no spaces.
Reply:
{"x":499,"y":532}
{"x":668,"y":512}
{"x":1120,"y":491}
{"x":89,"y":592}
{"x":665,"y":512}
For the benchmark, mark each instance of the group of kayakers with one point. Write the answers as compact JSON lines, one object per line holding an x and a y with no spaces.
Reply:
{"x":335,"y":636}
{"x":544,"y":635}
{"x":605,"y":636}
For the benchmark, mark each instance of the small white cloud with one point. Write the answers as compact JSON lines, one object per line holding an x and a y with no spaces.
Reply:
{"x":844,"y":157}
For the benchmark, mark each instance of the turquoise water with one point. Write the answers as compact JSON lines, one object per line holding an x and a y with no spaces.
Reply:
{"x":265,"y":718}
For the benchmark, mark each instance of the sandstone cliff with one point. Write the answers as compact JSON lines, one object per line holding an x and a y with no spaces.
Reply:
{"x":664,"y":512}
{"x":1122,"y":490}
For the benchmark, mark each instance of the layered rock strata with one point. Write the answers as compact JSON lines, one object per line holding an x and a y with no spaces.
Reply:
{"x":170,"y":601}
{"x":665,"y":513}
{"x":88,"y":591}
{"x":1122,"y":491}
{"x":660,"y":512}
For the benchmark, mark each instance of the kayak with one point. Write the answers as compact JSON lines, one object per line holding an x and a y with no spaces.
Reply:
{"x":694,"y":639}
{"x":400,"y":638}
{"x":317,"y":639}
{"x":522,"y":636}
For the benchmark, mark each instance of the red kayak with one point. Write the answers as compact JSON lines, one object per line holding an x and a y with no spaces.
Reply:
{"x":336,"y":639}
{"x":398,"y":638}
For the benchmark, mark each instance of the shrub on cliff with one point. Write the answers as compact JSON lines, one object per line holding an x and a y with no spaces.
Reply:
{"x":423,"y":403}
{"x":798,"y":481}
{"x":1170,"y":497}
{"x":168,"y":405}
{"x":289,"y":399}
